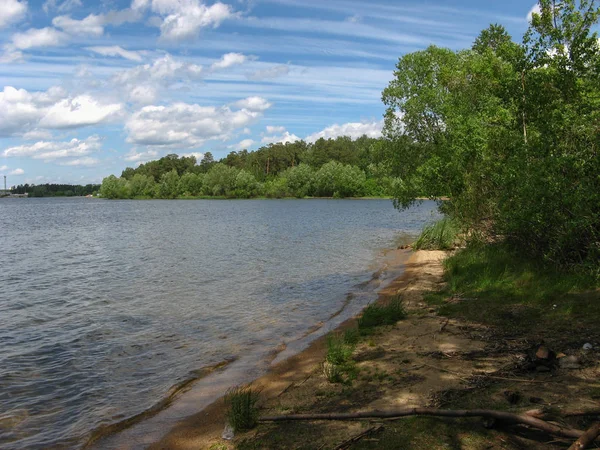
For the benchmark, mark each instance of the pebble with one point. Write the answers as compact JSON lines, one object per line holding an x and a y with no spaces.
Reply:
{"x":587,"y":346}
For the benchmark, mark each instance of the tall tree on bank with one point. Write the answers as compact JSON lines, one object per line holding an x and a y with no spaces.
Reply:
{"x":510,"y":132}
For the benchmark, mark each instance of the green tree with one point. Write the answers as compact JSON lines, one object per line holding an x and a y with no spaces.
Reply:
{"x":114,"y":188}
{"x":168,"y":187}
{"x":141,"y":186}
{"x":191,"y":184}
{"x":300,"y":180}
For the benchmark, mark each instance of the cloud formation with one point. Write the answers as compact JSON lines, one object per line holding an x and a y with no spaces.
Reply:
{"x":116,"y":50}
{"x":49,"y":151}
{"x":183,"y":19}
{"x":22,"y":111}
{"x":11,"y":11}
{"x":183,"y":125}
{"x":351,"y":129}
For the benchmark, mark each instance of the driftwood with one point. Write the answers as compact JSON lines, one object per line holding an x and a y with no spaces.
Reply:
{"x":586,"y":438}
{"x":531,"y":421}
{"x":346,"y":444}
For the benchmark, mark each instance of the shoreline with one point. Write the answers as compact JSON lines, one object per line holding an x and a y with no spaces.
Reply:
{"x":204,"y":396}
{"x":204,"y":428}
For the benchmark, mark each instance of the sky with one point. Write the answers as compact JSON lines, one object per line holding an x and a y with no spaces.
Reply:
{"x":90,"y":87}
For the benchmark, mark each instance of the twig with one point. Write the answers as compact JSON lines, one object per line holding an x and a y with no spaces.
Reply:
{"x":457,"y":375}
{"x":518,"y":380}
{"x":498,"y":415}
{"x":586,"y":438}
{"x":444,"y":324}
{"x":346,"y":444}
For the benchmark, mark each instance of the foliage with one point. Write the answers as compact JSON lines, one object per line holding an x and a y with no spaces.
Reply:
{"x":495,"y":285}
{"x":509,"y":132}
{"x":168,"y":187}
{"x":343,"y":168}
{"x":441,"y":235}
{"x":376,"y":315}
{"x":191,"y":184}
{"x":339,"y":367}
{"x":55,"y":190}
{"x":113,"y":188}
{"x":242,"y":411}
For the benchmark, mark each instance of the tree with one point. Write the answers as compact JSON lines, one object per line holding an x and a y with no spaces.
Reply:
{"x":114,"y":188}
{"x":169,"y":185}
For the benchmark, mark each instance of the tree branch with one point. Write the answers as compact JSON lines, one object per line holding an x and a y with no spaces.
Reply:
{"x":498,"y":415}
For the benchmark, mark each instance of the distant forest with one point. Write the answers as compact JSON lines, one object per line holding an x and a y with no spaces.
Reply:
{"x":339,"y":167}
{"x":55,"y":190}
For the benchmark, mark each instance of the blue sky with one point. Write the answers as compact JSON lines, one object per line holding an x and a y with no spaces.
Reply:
{"x":90,"y":87}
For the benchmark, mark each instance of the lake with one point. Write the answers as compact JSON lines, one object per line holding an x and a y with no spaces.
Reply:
{"x":106,"y":305}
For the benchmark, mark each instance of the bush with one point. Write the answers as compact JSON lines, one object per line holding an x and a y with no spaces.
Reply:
{"x":375,"y":315}
{"x":441,"y":235}
{"x":242,"y":411}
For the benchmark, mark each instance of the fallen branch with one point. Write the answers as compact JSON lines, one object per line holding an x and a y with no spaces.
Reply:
{"x":545,"y":414}
{"x":346,"y":444}
{"x":498,"y":415}
{"x":586,"y":438}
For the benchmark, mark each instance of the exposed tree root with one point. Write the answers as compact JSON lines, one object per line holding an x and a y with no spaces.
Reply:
{"x":507,"y":417}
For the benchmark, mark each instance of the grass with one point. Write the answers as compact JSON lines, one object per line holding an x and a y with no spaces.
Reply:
{"x":376,"y":315}
{"x":339,"y":367}
{"x":441,"y":235}
{"x":242,"y":411}
{"x":493,"y":285}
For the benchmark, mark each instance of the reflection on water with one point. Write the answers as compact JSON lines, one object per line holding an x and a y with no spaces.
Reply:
{"x":107,"y":305}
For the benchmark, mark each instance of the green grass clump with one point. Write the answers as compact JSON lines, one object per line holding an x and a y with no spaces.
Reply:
{"x":495,"y":285}
{"x":242,"y":411}
{"x":441,"y":235}
{"x":375,"y":315}
{"x":339,"y":367}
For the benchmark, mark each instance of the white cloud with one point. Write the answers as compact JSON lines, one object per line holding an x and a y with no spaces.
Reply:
{"x":115,"y":50}
{"x":67,"y":5}
{"x":38,"y":37}
{"x":11,"y":11}
{"x":140,"y":157}
{"x":272,"y":72}
{"x":228,"y":60}
{"x":352,"y":129}
{"x":22,"y":111}
{"x":92,"y":25}
{"x":183,"y":19}
{"x":85,"y":162}
{"x":242,"y":145}
{"x":79,"y":111}
{"x":253,"y":104}
{"x":273,"y":129}
{"x":17,"y":172}
{"x":3,"y":168}
{"x":534,"y":9}
{"x":284,"y":138}
{"x":49,"y":151}
{"x":183,"y":125}
{"x":142,"y":84}
{"x":35,"y":135}
{"x":196,"y":155}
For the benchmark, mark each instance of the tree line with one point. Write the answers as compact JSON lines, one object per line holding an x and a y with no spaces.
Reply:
{"x":510,"y":132}
{"x":339,"y":167}
{"x":55,"y":190}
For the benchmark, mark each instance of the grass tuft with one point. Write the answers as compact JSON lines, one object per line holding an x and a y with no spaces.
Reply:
{"x":375,"y":315}
{"x":339,"y":367}
{"x":441,"y":235}
{"x":242,"y":411}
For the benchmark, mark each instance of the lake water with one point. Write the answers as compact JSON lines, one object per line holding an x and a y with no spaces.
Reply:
{"x":106,"y":305}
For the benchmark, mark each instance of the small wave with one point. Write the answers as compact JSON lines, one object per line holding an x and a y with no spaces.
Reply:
{"x":165,"y":402}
